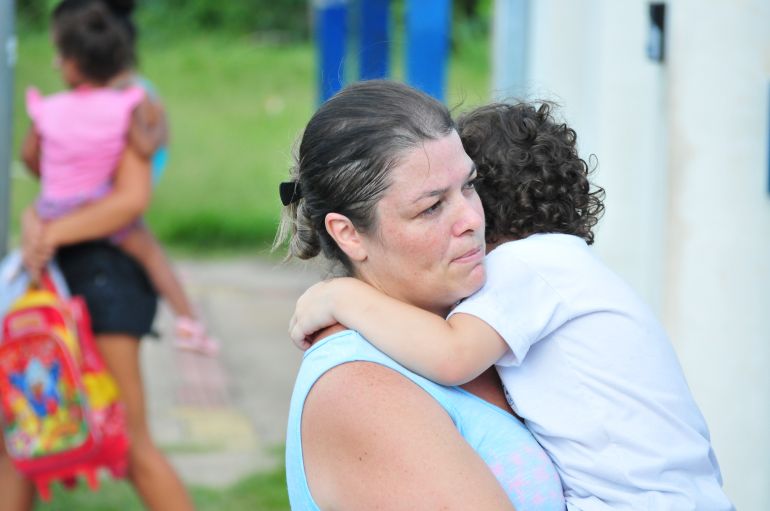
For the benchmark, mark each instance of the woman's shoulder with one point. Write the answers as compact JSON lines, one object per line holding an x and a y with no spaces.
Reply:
{"x":340,"y":353}
{"x":343,"y":352}
{"x":346,"y":360}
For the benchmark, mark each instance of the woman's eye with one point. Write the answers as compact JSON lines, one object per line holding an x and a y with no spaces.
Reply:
{"x":471,"y":184}
{"x":429,"y":211}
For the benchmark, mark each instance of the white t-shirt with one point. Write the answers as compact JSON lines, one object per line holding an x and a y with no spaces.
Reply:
{"x":593,"y":375}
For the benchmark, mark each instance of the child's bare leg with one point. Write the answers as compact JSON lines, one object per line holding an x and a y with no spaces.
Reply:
{"x":190,"y":332}
{"x":142,"y":246}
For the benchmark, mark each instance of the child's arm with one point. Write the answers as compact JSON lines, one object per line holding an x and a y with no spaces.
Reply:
{"x":450,"y":352}
{"x":30,"y":151}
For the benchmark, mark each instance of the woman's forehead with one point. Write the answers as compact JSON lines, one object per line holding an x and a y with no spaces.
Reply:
{"x":435,"y":165}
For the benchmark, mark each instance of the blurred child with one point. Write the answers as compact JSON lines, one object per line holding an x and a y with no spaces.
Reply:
{"x":583,"y":361}
{"x":78,"y":136}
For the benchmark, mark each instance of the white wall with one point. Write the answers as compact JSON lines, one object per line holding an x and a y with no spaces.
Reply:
{"x":718,"y":258}
{"x":590,"y":57}
{"x":683,"y":154}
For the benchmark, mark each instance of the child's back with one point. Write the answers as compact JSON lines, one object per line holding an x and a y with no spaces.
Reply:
{"x":83,"y":134}
{"x":600,"y":387}
{"x":589,"y":367}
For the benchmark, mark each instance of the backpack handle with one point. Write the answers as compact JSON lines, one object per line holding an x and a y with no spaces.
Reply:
{"x":44,"y":282}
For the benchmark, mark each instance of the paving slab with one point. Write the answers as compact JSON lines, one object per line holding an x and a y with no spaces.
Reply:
{"x":222,"y":418}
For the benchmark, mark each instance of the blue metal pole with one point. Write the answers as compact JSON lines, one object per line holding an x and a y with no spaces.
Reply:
{"x":427,"y":44}
{"x":330,"y":34}
{"x":374,"y":39}
{"x":7,"y":64}
{"x":510,"y":44}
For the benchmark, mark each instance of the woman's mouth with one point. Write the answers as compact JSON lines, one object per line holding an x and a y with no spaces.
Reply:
{"x":472,"y":256}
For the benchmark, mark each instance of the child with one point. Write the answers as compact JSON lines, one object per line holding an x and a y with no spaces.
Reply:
{"x":584,"y":363}
{"x":78,"y":136}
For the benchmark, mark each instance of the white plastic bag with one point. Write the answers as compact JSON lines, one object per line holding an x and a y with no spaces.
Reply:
{"x":14,"y":280}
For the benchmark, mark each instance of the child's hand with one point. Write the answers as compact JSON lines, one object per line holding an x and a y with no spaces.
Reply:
{"x":314,"y":311}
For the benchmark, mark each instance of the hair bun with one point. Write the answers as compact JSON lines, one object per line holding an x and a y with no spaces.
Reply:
{"x":96,"y":19}
{"x":121,"y":7}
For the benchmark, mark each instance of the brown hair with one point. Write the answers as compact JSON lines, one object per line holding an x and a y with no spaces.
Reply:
{"x":345,"y":156}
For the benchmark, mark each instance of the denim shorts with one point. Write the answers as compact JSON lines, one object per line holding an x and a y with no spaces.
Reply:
{"x":117,"y":291}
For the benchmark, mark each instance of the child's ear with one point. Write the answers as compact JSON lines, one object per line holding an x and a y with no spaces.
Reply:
{"x":344,"y":233}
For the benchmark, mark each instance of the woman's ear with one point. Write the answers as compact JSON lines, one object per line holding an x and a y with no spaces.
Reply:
{"x":347,"y":237}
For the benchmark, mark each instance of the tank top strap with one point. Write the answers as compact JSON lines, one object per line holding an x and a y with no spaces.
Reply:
{"x":350,"y":346}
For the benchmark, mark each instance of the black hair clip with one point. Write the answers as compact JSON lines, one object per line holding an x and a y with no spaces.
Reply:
{"x":290,"y":192}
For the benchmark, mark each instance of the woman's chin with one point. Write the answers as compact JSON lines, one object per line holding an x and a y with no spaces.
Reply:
{"x":475,"y":280}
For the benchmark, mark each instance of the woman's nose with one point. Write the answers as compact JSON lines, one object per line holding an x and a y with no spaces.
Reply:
{"x":470,"y":216}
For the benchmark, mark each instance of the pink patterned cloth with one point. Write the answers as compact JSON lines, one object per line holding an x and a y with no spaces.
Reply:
{"x":83,"y":133}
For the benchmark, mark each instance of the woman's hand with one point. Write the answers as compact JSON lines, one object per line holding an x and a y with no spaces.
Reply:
{"x":37,"y":248}
{"x":314,"y":311}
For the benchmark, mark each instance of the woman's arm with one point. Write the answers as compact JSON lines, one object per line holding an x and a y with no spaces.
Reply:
{"x":129,"y":198}
{"x":371,"y":439}
{"x":450,"y":352}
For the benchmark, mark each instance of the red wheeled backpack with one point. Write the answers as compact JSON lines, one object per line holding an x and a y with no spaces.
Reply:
{"x":61,"y":415}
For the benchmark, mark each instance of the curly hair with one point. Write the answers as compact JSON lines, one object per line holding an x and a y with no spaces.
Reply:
{"x":531,"y":177}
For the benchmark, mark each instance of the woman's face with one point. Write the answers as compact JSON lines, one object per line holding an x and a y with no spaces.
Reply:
{"x":428,"y":245}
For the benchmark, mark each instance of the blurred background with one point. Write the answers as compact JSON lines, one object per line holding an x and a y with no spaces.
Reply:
{"x":672,"y":98}
{"x":239,"y":81}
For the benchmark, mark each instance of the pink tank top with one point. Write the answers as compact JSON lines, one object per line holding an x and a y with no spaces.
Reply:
{"x":83,"y":134}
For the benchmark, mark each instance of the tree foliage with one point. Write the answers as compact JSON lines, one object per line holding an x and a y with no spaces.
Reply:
{"x":288,"y":18}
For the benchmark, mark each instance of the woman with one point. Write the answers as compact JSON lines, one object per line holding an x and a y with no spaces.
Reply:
{"x":122,"y":304}
{"x":383,"y":187}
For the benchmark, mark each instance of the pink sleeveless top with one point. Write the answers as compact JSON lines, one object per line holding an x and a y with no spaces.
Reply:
{"x":83,"y":133}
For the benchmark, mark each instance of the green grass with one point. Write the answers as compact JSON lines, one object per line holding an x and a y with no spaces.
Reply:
{"x":236,"y":106}
{"x":259,"y":492}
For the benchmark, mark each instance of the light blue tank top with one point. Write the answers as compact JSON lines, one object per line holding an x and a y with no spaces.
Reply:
{"x":159,"y":158}
{"x":521,"y":466}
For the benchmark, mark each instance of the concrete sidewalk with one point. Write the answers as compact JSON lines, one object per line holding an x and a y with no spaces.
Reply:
{"x":222,"y":418}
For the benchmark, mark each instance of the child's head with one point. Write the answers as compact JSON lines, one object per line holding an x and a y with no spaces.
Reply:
{"x":532,"y":179}
{"x":94,"y":43}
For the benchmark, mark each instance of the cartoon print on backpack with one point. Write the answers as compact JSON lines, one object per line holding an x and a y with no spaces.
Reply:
{"x":62,"y":418}
{"x":45,"y":415}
